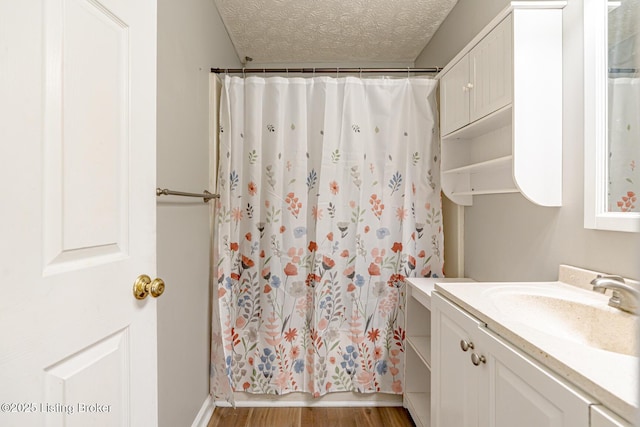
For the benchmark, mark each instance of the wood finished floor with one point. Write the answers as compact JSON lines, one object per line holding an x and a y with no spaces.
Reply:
{"x":311,"y":417}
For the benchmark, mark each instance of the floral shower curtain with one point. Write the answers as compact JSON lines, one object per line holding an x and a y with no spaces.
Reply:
{"x":330,"y":197}
{"x":624,"y":144}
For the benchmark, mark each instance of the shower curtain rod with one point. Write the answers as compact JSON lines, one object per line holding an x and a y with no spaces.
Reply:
{"x":206,"y":196}
{"x":336,"y":70}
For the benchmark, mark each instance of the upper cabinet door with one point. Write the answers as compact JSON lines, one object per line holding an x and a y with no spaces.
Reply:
{"x":454,"y":97}
{"x":491,"y":68}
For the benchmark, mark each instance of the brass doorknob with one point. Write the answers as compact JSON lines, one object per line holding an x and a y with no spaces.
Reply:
{"x":144,"y":286}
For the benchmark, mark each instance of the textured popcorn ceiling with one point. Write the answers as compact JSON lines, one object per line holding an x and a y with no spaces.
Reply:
{"x":336,"y":31}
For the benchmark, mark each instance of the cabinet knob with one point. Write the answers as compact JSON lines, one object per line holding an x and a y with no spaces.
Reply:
{"x":466,"y":345}
{"x":476,"y":360}
{"x":467,"y":87}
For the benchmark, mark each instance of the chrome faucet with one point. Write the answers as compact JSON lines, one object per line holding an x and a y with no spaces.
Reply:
{"x":624,"y":296}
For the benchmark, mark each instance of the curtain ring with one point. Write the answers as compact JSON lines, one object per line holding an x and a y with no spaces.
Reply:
{"x":287,"y":70}
{"x":337,"y":72}
{"x":360,"y":72}
{"x":244,"y":76}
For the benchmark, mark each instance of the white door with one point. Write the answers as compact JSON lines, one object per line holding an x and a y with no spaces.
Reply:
{"x":77,"y":212}
{"x":519,"y":392}
{"x":454,"y":97}
{"x":454,"y":379}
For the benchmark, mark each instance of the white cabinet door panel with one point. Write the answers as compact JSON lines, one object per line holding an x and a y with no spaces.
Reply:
{"x":454,"y":97}
{"x":491,"y":66}
{"x":520,"y":392}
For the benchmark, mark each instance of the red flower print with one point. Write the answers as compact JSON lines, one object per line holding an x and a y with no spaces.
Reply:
{"x":327,"y":263}
{"x":334,"y":187}
{"x":373,"y":335}
{"x":374,"y":269}
{"x":367,"y":228}
{"x":247,"y":262}
{"x":246,"y":386}
{"x":235,"y":276}
{"x":344,"y":254}
{"x":312,"y":279}
{"x":313,"y":246}
{"x":282,"y":229}
{"x":397,"y":247}
{"x":253,"y":188}
{"x":267,"y":288}
{"x":422,"y":254}
{"x":248,"y":236}
{"x":330,"y":236}
{"x":290,"y":269}
{"x":396,"y":280}
{"x":291,"y":334}
{"x":233,"y":246}
{"x":351,"y":287}
{"x":262,"y":254}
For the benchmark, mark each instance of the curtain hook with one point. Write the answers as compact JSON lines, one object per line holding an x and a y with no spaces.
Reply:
{"x":244,"y":76}
{"x":337,"y":72}
{"x":360,"y":72}
{"x":287,"y":70}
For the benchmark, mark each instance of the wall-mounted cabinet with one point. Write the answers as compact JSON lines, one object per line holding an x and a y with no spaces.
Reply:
{"x":501,"y":108}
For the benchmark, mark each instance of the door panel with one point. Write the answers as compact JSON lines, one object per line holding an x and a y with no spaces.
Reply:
{"x":454,"y":386}
{"x":77,"y":97}
{"x":520,"y":392}
{"x":86,"y":135}
{"x":454,"y":97}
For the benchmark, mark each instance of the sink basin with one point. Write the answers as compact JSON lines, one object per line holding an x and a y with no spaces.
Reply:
{"x":575,"y":316}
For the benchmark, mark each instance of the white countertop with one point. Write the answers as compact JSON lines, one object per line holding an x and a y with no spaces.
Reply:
{"x":610,"y":378}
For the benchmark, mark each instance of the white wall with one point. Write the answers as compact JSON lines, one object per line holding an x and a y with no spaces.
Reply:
{"x":191,"y":40}
{"x":507,"y":237}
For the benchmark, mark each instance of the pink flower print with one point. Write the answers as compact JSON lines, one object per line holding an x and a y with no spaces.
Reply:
{"x":632,"y":165}
{"x":401,"y":214}
{"x":236,"y":214}
{"x":294,"y":204}
{"x":334,"y":188}
{"x":252,"y":188}
{"x":290,"y":269}
{"x":316,"y":212}
{"x":376,"y":205}
{"x":626,"y":203}
{"x":374,"y":269}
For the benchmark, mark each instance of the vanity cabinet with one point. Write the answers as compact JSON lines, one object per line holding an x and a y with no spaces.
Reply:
{"x":480,"y":380}
{"x":501,"y":108}
{"x":602,"y":417}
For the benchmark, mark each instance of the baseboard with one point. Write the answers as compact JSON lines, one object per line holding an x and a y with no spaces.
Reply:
{"x":204,"y":415}
{"x":245,"y":400}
